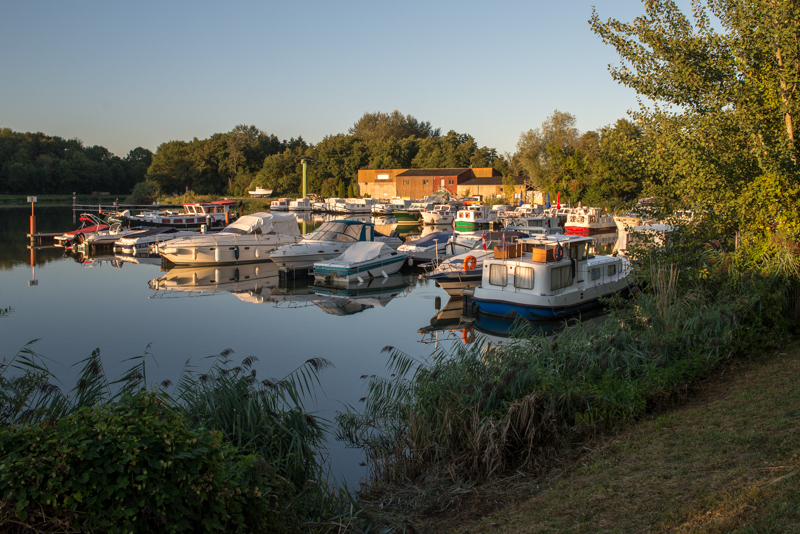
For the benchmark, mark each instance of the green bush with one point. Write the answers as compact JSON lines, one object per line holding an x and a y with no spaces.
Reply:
{"x":143,"y":193}
{"x":135,"y":466}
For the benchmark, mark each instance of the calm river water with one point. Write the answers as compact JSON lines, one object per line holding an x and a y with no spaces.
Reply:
{"x":74,"y":305}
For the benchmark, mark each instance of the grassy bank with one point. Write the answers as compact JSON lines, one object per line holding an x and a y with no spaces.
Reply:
{"x":728,"y":460}
{"x":443,"y":427}
{"x":21,"y":200}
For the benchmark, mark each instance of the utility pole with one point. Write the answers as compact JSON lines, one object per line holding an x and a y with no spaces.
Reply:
{"x":306,"y":161}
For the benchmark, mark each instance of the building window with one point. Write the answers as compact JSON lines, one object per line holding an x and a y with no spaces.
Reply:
{"x":425,"y":182}
{"x":450,"y":182}
{"x":405,"y":182}
{"x":560,"y":277}
{"x":498,"y":275}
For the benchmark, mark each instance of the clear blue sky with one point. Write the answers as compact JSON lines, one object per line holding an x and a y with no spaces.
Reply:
{"x":128,"y":74}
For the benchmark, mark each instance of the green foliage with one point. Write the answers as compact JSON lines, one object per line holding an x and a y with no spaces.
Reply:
{"x":136,"y":466}
{"x":721,"y":134}
{"x":375,"y":126}
{"x":35,"y":163}
{"x":224,"y":451}
{"x":478,"y":410}
{"x":143,"y":193}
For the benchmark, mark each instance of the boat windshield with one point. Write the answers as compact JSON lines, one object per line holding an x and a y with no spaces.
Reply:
{"x":236,"y":231}
{"x":336,"y":231}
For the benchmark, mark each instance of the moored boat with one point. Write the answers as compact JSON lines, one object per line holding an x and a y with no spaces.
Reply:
{"x":90,"y":225}
{"x":440,"y":214}
{"x":328,"y":241}
{"x":430,"y":247}
{"x":474,"y":217}
{"x":143,"y":240}
{"x":548,"y":277}
{"x":194,"y":215}
{"x":589,"y":221}
{"x":249,"y":239}
{"x":361,"y":261}
{"x":280,"y":204}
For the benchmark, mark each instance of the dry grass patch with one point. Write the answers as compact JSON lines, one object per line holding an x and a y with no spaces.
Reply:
{"x":724,"y":462}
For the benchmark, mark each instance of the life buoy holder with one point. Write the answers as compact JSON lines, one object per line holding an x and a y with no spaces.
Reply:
{"x":559,"y":252}
{"x":470,"y":262}
{"x":467,"y":335}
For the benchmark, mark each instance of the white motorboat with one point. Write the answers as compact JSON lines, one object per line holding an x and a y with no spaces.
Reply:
{"x":474,"y":217}
{"x":142,"y":241}
{"x":548,"y":277}
{"x":361,"y":261}
{"x":386,"y":208}
{"x":355,"y":205}
{"x":331,"y":239}
{"x":194,"y":215}
{"x":280,"y":204}
{"x":431,"y":247}
{"x":260,"y":192}
{"x":589,"y":221}
{"x":108,"y":237}
{"x":440,"y":214}
{"x":301,"y":204}
{"x":90,"y":225}
{"x":465,"y":270}
{"x":249,"y":239}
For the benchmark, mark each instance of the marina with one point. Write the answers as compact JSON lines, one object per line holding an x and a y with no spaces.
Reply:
{"x":127,"y":305}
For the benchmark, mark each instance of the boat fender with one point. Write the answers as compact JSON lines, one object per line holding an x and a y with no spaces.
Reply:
{"x":217,"y":255}
{"x":194,"y":253}
{"x":559,"y":252}
{"x":236,"y":274}
{"x":467,"y":335}
{"x":384,"y":274}
{"x":410,"y":262}
{"x":80,"y":239}
{"x":257,"y":253}
{"x":470,"y":262}
{"x":574,"y":264}
{"x":236,"y":252}
{"x":217,"y":276}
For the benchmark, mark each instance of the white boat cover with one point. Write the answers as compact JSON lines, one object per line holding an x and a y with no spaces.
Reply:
{"x":267,"y":222}
{"x":364,"y":251}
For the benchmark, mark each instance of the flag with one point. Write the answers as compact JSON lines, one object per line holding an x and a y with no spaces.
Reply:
{"x":483,"y":239}
{"x":547,"y":203}
{"x":558,"y":200}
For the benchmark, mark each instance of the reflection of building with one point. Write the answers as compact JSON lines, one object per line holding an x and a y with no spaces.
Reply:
{"x":459,"y":182}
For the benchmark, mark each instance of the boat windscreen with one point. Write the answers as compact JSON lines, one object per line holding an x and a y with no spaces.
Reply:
{"x":234,"y":231}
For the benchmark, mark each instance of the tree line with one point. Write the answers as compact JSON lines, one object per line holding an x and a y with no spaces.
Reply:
{"x":593,"y":165}
{"x":35,"y":163}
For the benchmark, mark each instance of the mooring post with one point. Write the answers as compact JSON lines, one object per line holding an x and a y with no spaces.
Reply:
{"x":32,"y":200}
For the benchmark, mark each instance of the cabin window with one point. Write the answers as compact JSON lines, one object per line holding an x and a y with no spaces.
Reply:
{"x":612,"y":269}
{"x":560,"y":277}
{"x":354,"y":231}
{"x":498,"y":275}
{"x":596,"y":273}
{"x":592,"y":219}
{"x":523,"y":277}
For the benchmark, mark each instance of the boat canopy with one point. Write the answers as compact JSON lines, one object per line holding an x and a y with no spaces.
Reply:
{"x":431,"y":239}
{"x":363,"y":251}
{"x":263,"y":223}
{"x":342,"y":231}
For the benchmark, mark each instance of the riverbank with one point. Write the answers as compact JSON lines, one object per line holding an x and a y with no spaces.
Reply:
{"x":726,"y":460}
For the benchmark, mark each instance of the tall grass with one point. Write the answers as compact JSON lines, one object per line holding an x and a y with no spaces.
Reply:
{"x":476,"y":411}
{"x":263,"y":417}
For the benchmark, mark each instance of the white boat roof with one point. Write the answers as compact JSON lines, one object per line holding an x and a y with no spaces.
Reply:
{"x":267,"y":222}
{"x":554,"y":239}
{"x":362,"y":251}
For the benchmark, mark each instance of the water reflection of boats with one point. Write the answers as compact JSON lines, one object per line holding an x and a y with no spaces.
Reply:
{"x":348,"y":299}
{"x":93,"y":260}
{"x":251,"y":277}
{"x":146,"y":258}
{"x":447,"y":318}
{"x":509,"y":327}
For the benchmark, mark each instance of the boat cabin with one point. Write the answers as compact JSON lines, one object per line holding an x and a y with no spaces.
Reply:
{"x":343,"y":231}
{"x":206,"y":208}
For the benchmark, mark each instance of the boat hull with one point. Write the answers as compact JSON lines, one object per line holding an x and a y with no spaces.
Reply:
{"x":588,"y":231}
{"x":538,"y":312}
{"x":206,"y":252}
{"x":470,"y":226}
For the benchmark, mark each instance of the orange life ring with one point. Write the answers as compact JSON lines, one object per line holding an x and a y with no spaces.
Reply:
{"x":470,"y":262}
{"x":467,"y":335}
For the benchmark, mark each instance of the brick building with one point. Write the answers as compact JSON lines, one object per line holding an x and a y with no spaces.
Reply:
{"x":418,"y":183}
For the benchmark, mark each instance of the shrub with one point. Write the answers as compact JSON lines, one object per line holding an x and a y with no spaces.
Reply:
{"x":143,"y":193}
{"x":135,"y":466}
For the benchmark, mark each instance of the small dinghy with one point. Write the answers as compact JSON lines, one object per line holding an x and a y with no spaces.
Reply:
{"x":359,"y":262}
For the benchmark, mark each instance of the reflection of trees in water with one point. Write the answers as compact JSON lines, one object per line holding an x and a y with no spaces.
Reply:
{"x":15,"y":227}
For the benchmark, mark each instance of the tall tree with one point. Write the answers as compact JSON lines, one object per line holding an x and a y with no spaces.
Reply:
{"x":722,"y":132}
{"x":392,"y":125}
{"x":544,"y":152}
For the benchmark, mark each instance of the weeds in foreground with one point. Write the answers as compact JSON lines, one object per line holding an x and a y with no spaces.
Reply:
{"x":267,"y":444}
